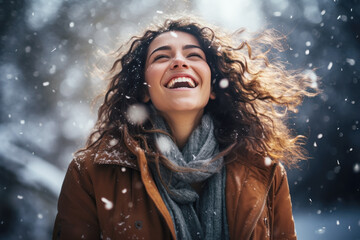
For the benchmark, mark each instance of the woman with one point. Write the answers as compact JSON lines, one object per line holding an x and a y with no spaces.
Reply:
{"x":188,"y":143}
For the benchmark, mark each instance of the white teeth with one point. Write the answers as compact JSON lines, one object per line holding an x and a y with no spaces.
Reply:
{"x":181,"y":79}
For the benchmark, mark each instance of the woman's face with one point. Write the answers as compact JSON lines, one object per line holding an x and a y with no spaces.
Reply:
{"x":177,"y":73}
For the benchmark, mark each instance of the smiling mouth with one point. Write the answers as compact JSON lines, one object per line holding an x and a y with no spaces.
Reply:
{"x":181,"y":82}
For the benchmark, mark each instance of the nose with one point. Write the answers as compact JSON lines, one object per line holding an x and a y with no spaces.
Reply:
{"x":179,"y":63}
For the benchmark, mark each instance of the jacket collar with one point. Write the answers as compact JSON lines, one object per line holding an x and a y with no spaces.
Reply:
{"x":110,"y":151}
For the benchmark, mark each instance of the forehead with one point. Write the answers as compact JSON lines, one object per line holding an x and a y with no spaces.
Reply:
{"x":173,"y":38}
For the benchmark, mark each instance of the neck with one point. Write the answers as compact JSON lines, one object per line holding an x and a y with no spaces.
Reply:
{"x":182,"y":124}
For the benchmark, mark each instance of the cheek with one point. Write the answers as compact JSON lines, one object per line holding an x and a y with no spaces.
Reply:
{"x":207,"y":78}
{"x":147,"y":75}
{"x":151,"y":78}
{"x":151,"y":74}
{"x":206,"y":74}
{"x":204,"y":69}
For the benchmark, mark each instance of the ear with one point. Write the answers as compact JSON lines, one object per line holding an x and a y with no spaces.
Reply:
{"x":212,"y":96}
{"x":146,"y":98}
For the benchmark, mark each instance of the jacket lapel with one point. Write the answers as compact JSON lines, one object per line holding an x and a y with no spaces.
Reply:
{"x":113,"y":154}
{"x":246,"y":195}
{"x":153,"y":191}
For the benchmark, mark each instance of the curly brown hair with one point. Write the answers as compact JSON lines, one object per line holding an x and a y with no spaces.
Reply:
{"x":249,"y":114}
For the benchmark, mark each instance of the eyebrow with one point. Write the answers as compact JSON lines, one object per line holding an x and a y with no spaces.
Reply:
{"x":189,"y":46}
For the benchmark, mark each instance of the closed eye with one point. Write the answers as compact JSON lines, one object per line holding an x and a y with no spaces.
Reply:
{"x":160,"y":57}
{"x":195,"y":55}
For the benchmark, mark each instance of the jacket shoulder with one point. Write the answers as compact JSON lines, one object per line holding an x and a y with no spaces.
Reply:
{"x":280,"y":177}
{"x":109,"y":151}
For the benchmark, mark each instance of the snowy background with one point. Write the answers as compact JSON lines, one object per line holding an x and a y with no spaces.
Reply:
{"x":48,"y":50}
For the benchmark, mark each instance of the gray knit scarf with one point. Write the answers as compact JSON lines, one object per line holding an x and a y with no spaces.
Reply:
{"x":194,"y":217}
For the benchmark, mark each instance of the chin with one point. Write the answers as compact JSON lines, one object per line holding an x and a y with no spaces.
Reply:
{"x":187,"y":108}
{"x":186,"y":105}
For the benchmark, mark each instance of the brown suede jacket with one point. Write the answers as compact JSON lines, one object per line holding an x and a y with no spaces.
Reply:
{"x":107,"y":194}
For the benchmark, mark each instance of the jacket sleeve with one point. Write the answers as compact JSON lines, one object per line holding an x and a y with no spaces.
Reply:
{"x":76,"y":218}
{"x":283,"y":224}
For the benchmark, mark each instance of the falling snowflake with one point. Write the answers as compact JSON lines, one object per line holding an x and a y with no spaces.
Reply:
{"x":27,"y":49}
{"x":113,"y":142}
{"x":224,"y":83}
{"x":52,"y":70}
{"x":321,"y":230}
{"x":172,"y":33}
{"x":108,"y":204}
{"x":350,"y":61}
{"x":163,"y":144}
{"x":330,"y":66}
{"x":357,"y":167}
{"x":267,"y":161}
{"x":313,"y":77}
{"x":137,"y":114}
